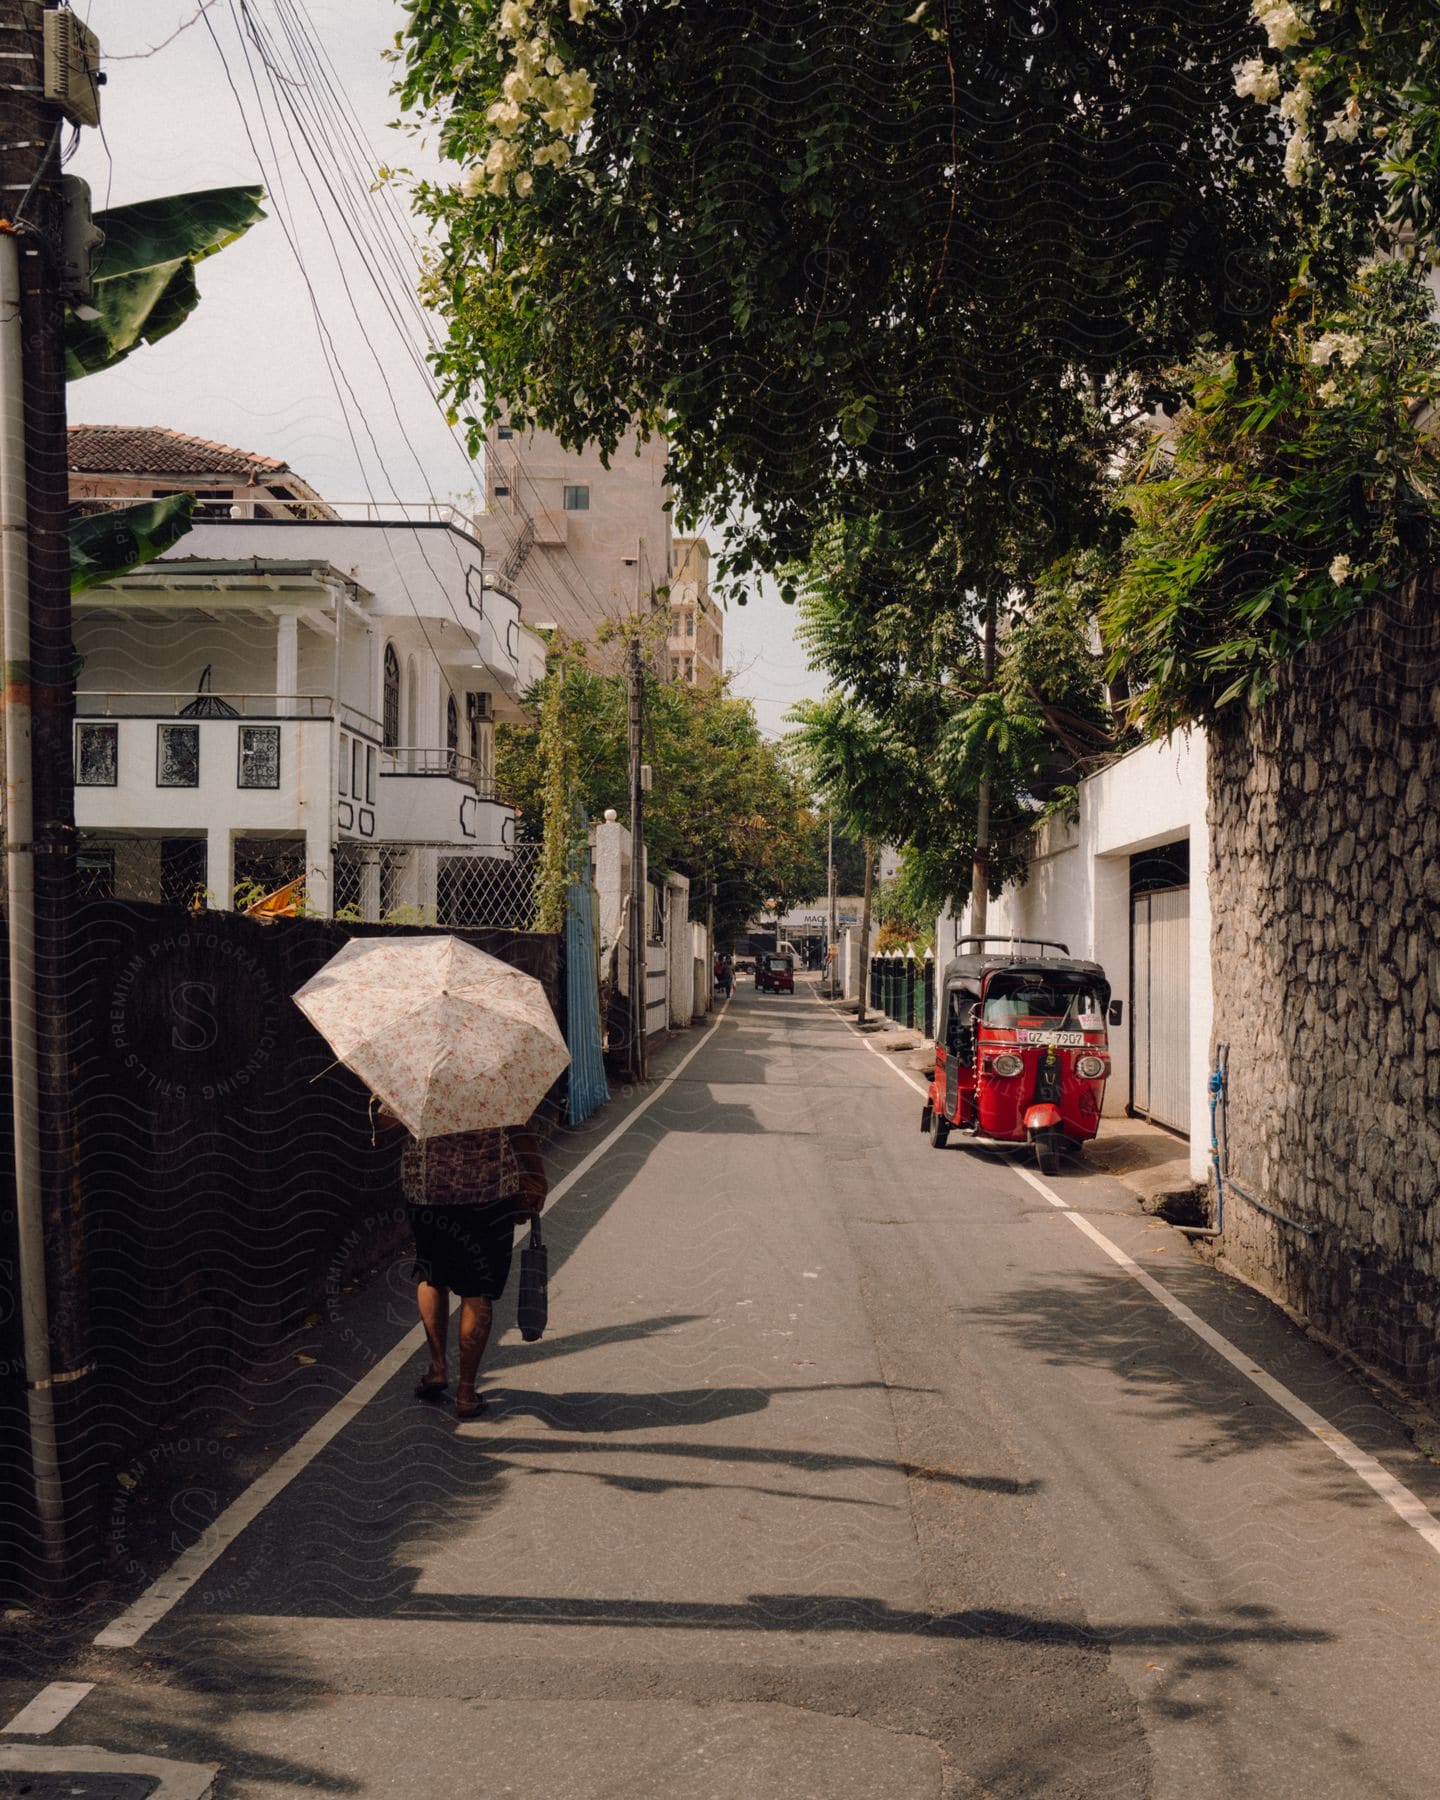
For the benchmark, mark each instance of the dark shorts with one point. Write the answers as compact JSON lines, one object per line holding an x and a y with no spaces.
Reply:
{"x":465,"y":1248}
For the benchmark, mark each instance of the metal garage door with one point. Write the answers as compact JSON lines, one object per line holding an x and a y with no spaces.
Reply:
{"x":1160,"y":1007}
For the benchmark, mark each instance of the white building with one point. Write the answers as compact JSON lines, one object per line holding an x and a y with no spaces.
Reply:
{"x":278,"y":697}
{"x":1128,"y":885}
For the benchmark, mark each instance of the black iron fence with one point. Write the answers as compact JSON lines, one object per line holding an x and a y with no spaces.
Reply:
{"x":902,"y":987}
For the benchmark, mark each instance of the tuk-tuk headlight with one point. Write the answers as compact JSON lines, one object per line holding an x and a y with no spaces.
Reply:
{"x":1007,"y":1064}
{"x":1089,"y":1068}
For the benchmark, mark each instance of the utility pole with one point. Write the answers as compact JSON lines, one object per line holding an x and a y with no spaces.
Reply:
{"x":635,"y":671}
{"x":831,"y":947}
{"x":39,"y":822}
{"x":980,"y":869}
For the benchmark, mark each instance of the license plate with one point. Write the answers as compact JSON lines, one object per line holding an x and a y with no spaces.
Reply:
{"x":1062,"y":1039}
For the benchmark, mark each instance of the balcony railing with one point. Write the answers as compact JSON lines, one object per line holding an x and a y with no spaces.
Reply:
{"x":415,"y":759}
{"x":135,"y":703}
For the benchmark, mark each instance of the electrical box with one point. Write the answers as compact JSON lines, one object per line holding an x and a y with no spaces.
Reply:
{"x":647,"y":777}
{"x":72,"y":66}
{"x":80,"y":242}
{"x":479,"y":707}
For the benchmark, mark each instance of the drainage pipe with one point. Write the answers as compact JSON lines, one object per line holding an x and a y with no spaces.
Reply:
{"x":19,"y":859}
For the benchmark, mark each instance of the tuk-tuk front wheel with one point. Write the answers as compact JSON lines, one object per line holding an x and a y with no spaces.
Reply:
{"x":939,"y":1130}
{"x":1048,"y":1146}
{"x":927,"y":1113}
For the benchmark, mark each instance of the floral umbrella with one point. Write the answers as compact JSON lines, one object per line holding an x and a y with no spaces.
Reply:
{"x":449,"y":1038}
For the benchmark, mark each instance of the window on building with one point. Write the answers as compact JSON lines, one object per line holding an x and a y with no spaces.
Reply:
{"x":577,"y":499}
{"x":689,"y":624}
{"x":370,"y":775}
{"x":390,"y":704}
{"x":259,"y":756}
{"x":97,"y":755}
{"x":504,"y":431}
{"x":345,"y":743}
{"x":501,"y":491}
{"x":452,"y":734}
{"x":177,"y":756}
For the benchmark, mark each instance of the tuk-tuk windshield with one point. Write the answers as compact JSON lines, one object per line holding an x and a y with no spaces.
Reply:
{"x":1051,"y":1000}
{"x":779,"y":962}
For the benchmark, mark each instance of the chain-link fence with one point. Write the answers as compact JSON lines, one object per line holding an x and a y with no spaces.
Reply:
{"x":436,"y":884}
{"x":390,"y":883}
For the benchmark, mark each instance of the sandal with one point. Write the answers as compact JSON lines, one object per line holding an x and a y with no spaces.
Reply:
{"x":428,"y":1387}
{"x":469,"y":1409}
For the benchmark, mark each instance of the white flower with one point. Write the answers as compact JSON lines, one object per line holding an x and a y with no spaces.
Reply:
{"x":579,"y":8}
{"x":505,"y":116}
{"x":1344,"y":344}
{"x":1296,"y":105}
{"x":1329,"y":391}
{"x":1340,"y":570}
{"x":1254,"y":81}
{"x":502,"y":158}
{"x":1298,"y":153}
{"x":1280,"y":22}
{"x":516,"y":86}
{"x":514,"y":17}
{"x":472,"y":181}
{"x":524,"y":183}
{"x":1342,"y":126}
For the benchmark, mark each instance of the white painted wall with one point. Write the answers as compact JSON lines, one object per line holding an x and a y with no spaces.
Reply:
{"x":1078,"y":891}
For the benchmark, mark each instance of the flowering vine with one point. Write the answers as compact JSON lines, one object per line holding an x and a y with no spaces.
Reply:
{"x":543,"y":107}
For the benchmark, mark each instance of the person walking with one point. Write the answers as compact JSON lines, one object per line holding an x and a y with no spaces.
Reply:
{"x":465,"y":1194}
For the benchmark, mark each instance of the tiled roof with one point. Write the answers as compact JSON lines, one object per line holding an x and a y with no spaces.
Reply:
{"x":156,"y":450}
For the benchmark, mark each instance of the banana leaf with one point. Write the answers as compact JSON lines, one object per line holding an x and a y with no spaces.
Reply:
{"x":145,"y":276}
{"x":106,"y":544}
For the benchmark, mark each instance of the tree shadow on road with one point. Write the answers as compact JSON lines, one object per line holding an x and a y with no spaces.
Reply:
{"x":1103,"y":1321}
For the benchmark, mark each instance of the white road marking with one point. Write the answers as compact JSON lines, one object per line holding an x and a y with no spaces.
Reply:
{"x":50,"y":1707}
{"x":1395,"y":1494}
{"x":163,"y":1593}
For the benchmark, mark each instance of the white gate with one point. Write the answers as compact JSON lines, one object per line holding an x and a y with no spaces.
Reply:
{"x":1160,"y":1007}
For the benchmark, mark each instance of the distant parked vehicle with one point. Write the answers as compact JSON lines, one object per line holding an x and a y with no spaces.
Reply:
{"x":775,"y":974}
{"x":1022,"y":1053}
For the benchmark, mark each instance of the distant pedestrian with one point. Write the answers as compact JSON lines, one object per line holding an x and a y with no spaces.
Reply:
{"x":465,"y":1195}
{"x":725,"y":975}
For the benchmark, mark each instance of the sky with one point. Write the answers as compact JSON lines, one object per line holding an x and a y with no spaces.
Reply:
{"x":308,"y":343}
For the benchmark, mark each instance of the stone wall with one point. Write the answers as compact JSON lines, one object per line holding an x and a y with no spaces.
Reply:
{"x":1325,"y":832}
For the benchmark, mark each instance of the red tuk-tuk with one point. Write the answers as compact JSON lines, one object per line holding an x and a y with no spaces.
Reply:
{"x":774,"y":974}
{"x":1021,"y":1050}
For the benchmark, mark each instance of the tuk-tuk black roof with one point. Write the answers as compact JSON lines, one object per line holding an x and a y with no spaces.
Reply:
{"x":969,"y":970}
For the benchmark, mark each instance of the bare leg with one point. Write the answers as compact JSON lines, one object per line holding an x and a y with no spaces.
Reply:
{"x":476,"y":1315}
{"x":435,"y":1317}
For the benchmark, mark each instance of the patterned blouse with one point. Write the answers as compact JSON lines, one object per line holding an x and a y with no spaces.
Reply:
{"x":473,"y":1168}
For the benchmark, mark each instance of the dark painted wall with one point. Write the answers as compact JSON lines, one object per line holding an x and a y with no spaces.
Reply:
{"x":227,"y":1168}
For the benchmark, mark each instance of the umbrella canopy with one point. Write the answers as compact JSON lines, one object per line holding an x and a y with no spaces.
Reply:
{"x":449,"y":1038}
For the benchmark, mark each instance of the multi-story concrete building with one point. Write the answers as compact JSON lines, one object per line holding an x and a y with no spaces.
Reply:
{"x":581,"y":546}
{"x":697,"y":631}
{"x":280,"y":697}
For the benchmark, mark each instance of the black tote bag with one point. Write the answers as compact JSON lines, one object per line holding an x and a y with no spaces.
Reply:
{"x":532,"y":1306}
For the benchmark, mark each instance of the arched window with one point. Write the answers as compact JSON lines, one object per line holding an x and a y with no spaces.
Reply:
{"x":452,"y":733}
{"x":390,"y":705}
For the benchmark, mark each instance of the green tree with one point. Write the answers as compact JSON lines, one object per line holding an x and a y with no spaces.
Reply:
{"x":888,"y":260}
{"x":726,"y":809}
{"x":910,"y":727}
{"x":1299,"y":482}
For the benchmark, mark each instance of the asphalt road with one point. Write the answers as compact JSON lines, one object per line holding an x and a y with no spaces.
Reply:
{"x":848,"y":1468}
